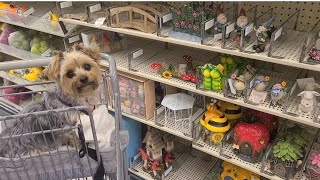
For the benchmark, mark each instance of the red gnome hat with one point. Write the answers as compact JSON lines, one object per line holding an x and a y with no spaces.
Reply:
{"x":242,"y":12}
{"x":219,"y":9}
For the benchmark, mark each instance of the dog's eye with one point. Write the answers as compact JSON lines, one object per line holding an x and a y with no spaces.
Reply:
{"x":87,"y":67}
{"x":70,"y":74}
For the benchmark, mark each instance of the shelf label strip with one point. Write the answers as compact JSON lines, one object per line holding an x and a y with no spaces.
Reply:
{"x":137,"y":54}
{"x":95,"y":8}
{"x":74,"y":39}
{"x":277,"y":34}
{"x":65,"y":4}
{"x":248,"y":29}
{"x":166,"y":18}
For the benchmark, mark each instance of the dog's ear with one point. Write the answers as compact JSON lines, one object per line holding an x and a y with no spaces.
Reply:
{"x":52,"y":71}
{"x":93,"y":53}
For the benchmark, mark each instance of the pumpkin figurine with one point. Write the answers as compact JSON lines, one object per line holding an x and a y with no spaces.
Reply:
{"x":215,"y":124}
{"x":250,"y":140}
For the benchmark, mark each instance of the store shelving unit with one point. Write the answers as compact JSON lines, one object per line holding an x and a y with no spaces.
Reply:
{"x":155,"y":51}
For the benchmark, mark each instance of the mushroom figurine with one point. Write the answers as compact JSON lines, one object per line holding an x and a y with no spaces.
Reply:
{"x":239,"y":84}
{"x":186,"y":77}
{"x":188,"y":60}
{"x":155,"y":67}
{"x":193,"y":78}
{"x":144,"y":157}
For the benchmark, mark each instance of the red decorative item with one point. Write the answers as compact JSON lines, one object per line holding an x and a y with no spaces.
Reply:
{"x":194,"y":78}
{"x":186,"y":77}
{"x":270,"y":121}
{"x":155,"y":67}
{"x":250,"y":139}
{"x":144,"y":157}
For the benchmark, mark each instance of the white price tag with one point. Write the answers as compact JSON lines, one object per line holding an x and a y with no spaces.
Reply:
{"x":208,"y":24}
{"x":248,"y":29}
{"x":137,"y":53}
{"x":277,"y":34}
{"x":95,"y":8}
{"x":100,"y":21}
{"x":47,"y":53}
{"x":74,"y":39}
{"x":258,"y":97}
{"x":166,"y":18}
{"x":168,"y":171}
{"x":229,"y":28}
{"x":65,"y":4}
{"x":28,"y":12}
{"x":217,"y":36}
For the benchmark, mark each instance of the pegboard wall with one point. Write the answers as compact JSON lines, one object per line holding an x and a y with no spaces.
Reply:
{"x":309,"y":13}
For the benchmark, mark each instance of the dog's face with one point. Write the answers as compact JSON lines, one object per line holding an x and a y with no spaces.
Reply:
{"x":76,"y":72}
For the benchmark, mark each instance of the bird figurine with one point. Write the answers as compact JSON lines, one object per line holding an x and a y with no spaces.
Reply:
{"x":239,"y":85}
{"x":249,"y":72}
{"x":261,"y":83}
{"x":277,"y":93}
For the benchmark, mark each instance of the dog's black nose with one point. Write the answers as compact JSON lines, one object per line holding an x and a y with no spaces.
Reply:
{"x":83,"y":79}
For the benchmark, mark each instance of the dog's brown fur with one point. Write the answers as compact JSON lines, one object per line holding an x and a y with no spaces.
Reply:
{"x":75,"y":61}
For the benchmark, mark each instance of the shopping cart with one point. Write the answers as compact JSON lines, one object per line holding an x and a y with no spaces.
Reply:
{"x":66,"y":162}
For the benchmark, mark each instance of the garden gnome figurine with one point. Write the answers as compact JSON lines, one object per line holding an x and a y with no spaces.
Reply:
{"x":221,"y":19}
{"x":242,"y":20}
{"x":263,"y":34}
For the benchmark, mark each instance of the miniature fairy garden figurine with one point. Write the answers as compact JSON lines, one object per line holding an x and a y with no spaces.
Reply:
{"x":263,"y":34}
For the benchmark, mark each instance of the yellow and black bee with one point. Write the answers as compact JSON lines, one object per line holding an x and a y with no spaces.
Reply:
{"x":215,"y":123}
{"x":232,"y":111}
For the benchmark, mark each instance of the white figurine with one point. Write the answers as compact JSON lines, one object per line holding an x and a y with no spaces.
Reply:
{"x":308,"y":101}
{"x":249,"y":72}
{"x":239,"y":84}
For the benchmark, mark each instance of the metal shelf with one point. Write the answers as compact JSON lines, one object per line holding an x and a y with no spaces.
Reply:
{"x":289,"y":58}
{"x":141,"y":67}
{"x":187,"y":166}
{"x":18,"y":80}
{"x":18,"y":53}
{"x":232,"y":158}
{"x":37,"y":22}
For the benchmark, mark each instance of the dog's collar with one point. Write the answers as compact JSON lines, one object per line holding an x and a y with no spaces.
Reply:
{"x":70,"y":105}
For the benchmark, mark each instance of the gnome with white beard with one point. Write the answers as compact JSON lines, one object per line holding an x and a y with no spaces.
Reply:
{"x":221,"y":19}
{"x":242,"y":21}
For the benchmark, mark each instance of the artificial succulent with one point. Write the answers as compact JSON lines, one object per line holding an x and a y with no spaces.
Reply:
{"x":287,"y":151}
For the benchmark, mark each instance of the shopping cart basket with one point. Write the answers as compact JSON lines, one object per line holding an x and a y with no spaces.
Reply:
{"x":66,"y":162}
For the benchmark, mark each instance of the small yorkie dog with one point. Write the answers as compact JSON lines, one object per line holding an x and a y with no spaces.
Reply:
{"x":77,"y":75}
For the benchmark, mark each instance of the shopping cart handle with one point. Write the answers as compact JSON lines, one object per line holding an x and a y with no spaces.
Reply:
{"x":22,"y":64}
